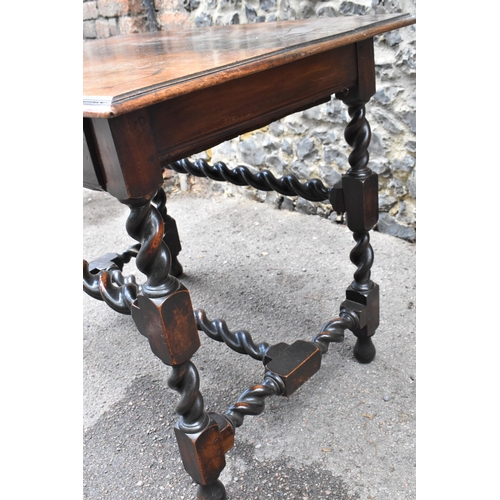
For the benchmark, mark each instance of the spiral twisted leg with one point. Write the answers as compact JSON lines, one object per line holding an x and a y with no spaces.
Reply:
{"x":362,"y":257}
{"x":360,"y":187}
{"x":358,"y":135}
{"x":186,"y":381}
{"x":106,"y":281}
{"x":364,"y":290}
{"x":163,"y":312}
{"x":146,"y":226}
{"x":171,"y":236}
{"x":202,"y":443}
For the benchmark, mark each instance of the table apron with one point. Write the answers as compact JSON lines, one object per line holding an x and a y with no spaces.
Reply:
{"x":123,"y":155}
{"x":197,"y":121}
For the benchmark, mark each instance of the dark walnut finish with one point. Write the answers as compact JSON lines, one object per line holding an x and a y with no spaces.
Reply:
{"x":152,"y":99}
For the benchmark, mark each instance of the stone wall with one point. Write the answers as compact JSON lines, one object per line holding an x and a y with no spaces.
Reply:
{"x":307,"y":144}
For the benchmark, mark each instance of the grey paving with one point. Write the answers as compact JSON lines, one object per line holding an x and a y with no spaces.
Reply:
{"x":349,"y":433}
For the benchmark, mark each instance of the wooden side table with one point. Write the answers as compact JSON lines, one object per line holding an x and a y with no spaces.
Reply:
{"x":151,"y":100}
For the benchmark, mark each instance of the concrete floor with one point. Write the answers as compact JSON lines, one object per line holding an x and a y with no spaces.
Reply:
{"x":349,"y":433}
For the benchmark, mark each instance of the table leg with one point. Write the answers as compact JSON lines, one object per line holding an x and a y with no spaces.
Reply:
{"x":163,"y":313}
{"x":171,"y":236}
{"x":360,"y":191}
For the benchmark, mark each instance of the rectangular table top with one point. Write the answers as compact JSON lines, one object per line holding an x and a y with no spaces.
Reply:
{"x":129,"y":72}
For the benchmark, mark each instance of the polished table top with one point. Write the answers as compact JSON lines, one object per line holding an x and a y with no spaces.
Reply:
{"x":126,"y":73}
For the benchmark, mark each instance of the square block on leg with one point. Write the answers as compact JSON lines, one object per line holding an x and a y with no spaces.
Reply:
{"x":295,"y":364}
{"x":366,"y":305}
{"x":169,"y":324}
{"x":361,"y":201}
{"x":202,"y":453}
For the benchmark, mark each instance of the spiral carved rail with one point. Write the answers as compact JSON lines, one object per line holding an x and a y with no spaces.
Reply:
{"x":288,"y":185}
{"x":240,"y":340}
{"x":252,"y":401}
{"x":333,"y":331}
{"x":111,"y":286}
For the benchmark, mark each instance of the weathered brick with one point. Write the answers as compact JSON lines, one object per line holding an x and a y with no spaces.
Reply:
{"x":129,"y":25}
{"x":136,"y":7}
{"x":167,"y":5}
{"x":89,"y":29}
{"x":89,"y":10}
{"x":102,"y":28}
{"x":113,"y":27}
{"x":112,"y":8}
{"x":173,"y":19}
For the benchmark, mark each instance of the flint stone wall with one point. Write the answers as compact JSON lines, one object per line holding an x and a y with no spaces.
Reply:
{"x":310,"y":143}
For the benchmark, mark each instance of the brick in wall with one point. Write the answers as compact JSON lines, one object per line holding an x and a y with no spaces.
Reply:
{"x":112,"y":8}
{"x":129,"y":24}
{"x":167,"y":19}
{"x":89,"y":30}
{"x":90,"y":10}
{"x":102,"y":28}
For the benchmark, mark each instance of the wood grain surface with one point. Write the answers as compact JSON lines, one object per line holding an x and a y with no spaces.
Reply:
{"x":126,"y":73}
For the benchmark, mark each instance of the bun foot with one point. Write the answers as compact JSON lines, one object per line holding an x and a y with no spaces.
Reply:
{"x":364,"y":350}
{"x":214,"y":491}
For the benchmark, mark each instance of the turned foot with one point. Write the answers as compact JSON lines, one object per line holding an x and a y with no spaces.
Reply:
{"x":214,"y":491}
{"x":364,"y":350}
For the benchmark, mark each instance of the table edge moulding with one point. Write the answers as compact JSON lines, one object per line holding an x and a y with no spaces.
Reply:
{"x":102,"y":102}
